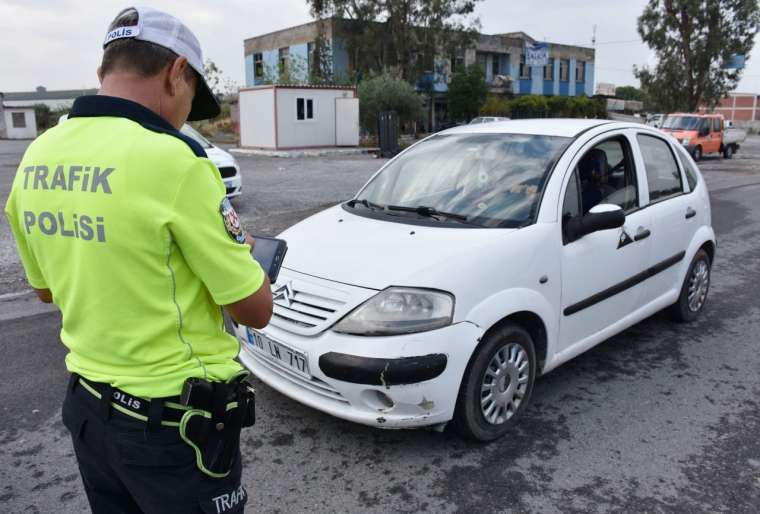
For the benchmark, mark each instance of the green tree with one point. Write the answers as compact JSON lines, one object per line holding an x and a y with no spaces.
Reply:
{"x":386,"y":92}
{"x":629,"y":93}
{"x":406,"y":35}
{"x":467,"y":92}
{"x":693,"y":41}
{"x":217,"y":82}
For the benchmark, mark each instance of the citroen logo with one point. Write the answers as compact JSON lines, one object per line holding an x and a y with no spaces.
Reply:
{"x":285,"y":293}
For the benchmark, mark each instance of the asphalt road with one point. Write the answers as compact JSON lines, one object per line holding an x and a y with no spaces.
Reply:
{"x":661,"y":418}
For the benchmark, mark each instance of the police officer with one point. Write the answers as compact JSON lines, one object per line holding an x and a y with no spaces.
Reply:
{"x":122,"y":222}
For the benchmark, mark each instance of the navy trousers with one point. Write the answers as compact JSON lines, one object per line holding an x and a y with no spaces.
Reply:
{"x":127,"y":468}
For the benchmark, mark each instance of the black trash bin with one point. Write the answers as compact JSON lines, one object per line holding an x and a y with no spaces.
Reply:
{"x":387,"y":133}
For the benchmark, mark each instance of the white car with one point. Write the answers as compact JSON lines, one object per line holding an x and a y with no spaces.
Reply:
{"x":477,"y":260}
{"x":225,"y":163}
{"x":487,"y":119}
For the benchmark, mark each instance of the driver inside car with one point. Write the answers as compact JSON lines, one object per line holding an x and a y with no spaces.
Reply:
{"x":594,"y":174}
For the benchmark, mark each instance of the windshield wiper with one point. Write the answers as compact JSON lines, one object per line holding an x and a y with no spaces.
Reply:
{"x":364,"y":202}
{"x":430,"y":212}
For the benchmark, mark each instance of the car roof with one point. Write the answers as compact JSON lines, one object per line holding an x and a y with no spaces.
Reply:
{"x":565,"y":127}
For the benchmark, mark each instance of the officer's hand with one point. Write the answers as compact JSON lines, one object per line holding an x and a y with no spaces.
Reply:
{"x":45,"y":295}
{"x":249,"y":240}
{"x":256,"y":310}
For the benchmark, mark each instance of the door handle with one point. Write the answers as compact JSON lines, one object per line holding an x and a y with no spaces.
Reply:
{"x":690,"y":213}
{"x":641,"y":233}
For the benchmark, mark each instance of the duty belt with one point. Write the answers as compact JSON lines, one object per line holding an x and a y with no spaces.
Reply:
{"x":157,"y":411}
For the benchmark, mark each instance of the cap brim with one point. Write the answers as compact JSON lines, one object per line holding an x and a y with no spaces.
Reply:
{"x":205,"y":105}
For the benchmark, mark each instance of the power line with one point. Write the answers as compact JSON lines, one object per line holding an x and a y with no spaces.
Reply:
{"x":621,"y":42}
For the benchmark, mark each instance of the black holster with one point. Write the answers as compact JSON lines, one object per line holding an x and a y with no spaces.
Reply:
{"x":212,"y":425}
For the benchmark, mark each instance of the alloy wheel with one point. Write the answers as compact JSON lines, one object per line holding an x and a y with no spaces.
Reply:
{"x":699,"y":282}
{"x":504,"y":383}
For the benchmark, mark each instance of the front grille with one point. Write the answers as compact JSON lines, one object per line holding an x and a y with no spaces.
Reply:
{"x":227,"y":171}
{"x":230,"y":190}
{"x":314,"y":385}
{"x":307,"y":305}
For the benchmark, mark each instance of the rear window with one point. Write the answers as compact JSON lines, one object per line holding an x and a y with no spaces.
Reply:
{"x":663,"y":175}
{"x":689,"y":167}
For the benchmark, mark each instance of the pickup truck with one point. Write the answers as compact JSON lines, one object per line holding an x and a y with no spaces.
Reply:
{"x":703,"y":134}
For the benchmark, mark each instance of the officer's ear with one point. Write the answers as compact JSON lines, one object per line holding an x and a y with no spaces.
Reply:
{"x":100,"y":74}
{"x":176,"y":75}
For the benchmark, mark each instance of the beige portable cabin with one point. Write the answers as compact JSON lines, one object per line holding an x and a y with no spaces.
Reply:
{"x":289,"y":117}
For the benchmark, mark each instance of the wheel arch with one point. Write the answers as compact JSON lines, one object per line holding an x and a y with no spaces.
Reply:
{"x":526,"y":307}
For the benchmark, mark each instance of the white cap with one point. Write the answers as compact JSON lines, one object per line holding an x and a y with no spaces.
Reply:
{"x":165,"y":30}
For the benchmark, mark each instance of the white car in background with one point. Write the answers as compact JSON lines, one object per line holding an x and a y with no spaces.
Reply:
{"x":477,"y":260}
{"x":224,"y":162}
{"x":487,"y":119}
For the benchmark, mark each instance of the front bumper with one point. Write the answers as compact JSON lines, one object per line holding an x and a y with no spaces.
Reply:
{"x":397,"y":382}
{"x":233,"y":186}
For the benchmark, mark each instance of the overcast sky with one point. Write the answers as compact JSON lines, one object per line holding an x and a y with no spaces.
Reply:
{"x":57,"y":43}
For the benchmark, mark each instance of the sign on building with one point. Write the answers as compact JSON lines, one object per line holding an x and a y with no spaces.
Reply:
{"x":536,"y":54}
{"x":735,"y":63}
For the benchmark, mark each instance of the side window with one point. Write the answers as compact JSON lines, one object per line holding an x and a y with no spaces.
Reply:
{"x":663,"y":176}
{"x":304,"y":109}
{"x":716,"y":124}
{"x":607,"y":175}
{"x":689,"y":168}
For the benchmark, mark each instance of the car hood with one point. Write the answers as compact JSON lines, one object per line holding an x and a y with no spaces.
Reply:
{"x":344,"y":247}
{"x":219,"y":157}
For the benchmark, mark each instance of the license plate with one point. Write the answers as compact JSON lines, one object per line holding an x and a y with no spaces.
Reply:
{"x":272,"y":350}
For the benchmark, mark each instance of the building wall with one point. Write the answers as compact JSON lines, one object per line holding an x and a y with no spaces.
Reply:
{"x":505,"y":47}
{"x":257,"y":121}
{"x":299,"y":57}
{"x":53,"y":104}
{"x":292,"y":133}
{"x":2,"y":118}
{"x":29,"y":131}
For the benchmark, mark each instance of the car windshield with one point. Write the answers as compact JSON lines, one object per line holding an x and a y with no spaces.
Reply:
{"x":489,"y":180}
{"x":191,"y":132}
{"x":681,"y":122}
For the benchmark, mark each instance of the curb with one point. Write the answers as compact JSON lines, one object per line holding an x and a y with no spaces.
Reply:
{"x":22,"y":304}
{"x":326,"y":152}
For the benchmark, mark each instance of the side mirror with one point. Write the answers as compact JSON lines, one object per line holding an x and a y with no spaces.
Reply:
{"x":604,"y":216}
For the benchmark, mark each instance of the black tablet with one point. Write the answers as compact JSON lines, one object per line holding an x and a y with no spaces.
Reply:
{"x":270,"y":252}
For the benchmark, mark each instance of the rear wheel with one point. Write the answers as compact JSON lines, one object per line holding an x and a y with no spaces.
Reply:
{"x":497,"y":384}
{"x":728,"y":152}
{"x":694,"y":290}
{"x":698,"y":153}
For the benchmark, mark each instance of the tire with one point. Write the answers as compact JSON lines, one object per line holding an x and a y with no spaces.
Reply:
{"x":697,"y":154}
{"x":728,"y":152}
{"x":514,"y":347}
{"x":697,"y":280}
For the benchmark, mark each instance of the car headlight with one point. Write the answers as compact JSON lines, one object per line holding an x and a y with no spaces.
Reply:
{"x":399,"y":310}
{"x":685,"y":142}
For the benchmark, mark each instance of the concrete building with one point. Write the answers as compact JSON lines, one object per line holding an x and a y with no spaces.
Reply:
{"x":17,"y":122}
{"x":741,"y":108}
{"x":569,"y":71}
{"x":56,"y":100}
{"x":287,"y":117}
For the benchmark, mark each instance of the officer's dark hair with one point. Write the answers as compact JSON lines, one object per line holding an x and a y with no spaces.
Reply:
{"x":142,"y":57}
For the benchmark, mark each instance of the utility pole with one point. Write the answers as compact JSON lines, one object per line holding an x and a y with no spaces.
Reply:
{"x":593,"y":38}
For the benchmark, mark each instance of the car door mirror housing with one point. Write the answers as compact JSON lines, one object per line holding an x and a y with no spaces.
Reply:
{"x":600,"y":217}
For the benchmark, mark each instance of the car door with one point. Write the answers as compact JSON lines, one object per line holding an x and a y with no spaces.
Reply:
{"x":600,"y":270}
{"x":672,"y":212}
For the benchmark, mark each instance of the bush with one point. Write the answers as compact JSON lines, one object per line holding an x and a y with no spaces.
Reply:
{"x":495,"y":106}
{"x":531,"y":106}
{"x":386,"y":92}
